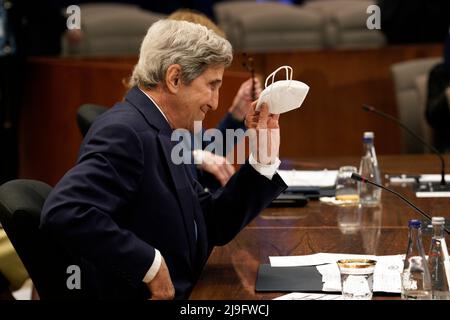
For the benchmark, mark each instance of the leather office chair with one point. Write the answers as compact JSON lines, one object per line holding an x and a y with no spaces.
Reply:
{"x":86,"y":115}
{"x":410,"y":82}
{"x":110,"y":29}
{"x":21,"y":203}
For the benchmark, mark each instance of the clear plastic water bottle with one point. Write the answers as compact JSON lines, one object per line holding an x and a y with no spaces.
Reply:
{"x":438,"y":261}
{"x":369,"y":195}
{"x":415,"y":278}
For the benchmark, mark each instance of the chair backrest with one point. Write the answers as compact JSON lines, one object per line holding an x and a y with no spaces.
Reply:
{"x":86,"y":115}
{"x":411,"y":102}
{"x":110,"y":29}
{"x":21,"y":203}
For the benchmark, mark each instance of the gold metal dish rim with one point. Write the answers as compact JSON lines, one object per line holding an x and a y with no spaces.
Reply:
{"x":356,"y":263}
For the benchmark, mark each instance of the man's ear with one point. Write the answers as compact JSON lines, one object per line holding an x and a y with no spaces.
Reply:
{"x":173,"y":78}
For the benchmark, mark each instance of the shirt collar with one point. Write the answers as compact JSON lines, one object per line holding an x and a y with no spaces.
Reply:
{"x":151,"y":99}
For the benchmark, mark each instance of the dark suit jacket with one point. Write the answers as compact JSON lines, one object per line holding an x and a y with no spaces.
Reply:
{"x":125,"y":197}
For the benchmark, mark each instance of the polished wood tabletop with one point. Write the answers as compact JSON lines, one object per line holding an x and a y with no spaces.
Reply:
{"x":231,"y":270}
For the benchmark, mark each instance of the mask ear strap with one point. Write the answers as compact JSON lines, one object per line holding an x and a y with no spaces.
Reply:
{"x":268,"y":78}
{"x":272,"y":75}
{"x":289,"y":77}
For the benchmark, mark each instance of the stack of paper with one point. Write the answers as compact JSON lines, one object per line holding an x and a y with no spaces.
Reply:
{"x":433,"y":178}
{"x":305,"y":178}
{"x":386,"y":276}
{"x":309,"y":296}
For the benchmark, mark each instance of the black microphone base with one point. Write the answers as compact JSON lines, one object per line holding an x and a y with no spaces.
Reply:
{"x":432,"y":189}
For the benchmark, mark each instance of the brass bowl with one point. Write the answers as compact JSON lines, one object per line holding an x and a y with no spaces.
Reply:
{"x":356,"y":263}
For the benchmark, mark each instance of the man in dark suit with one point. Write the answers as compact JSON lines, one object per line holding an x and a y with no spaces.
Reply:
{"x":141,"y":224}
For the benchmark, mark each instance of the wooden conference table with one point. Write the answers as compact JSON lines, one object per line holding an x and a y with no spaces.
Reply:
{"x":231,"y":270}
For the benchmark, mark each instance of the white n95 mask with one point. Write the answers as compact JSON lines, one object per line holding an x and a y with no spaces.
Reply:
{"x":283,"y":95}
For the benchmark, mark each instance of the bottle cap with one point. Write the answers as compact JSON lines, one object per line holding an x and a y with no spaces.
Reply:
{"x":438,"y":220}
{"x":414,"y":223}
{"x":369,"y":135}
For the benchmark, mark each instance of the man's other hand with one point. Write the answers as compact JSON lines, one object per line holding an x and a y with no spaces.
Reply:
{"x":161,"y":287}
{"x":243,"y":99}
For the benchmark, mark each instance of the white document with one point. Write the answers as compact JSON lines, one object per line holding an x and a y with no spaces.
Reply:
{"x":439,"y":194}
{"x":424,"y":178}
{"x":401,"y":179}
{"x":433,"y":177}
{"x":305,"y":178}
{"x":386,"y":277}
{"x":313,"y":259}
{"x":296,"y":261}
{"x":309,"y":296}
{"x":331,"y":277}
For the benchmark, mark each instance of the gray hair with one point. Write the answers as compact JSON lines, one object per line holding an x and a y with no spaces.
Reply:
{"x":192,"y":46}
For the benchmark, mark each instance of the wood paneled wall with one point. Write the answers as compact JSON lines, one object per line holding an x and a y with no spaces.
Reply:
{"x":330,"y":122}
{"x":50,"y":138}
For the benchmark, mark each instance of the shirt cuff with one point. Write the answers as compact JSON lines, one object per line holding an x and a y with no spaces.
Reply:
{"x":151,"y":273}
{"x":199,"y":157}
{"x":267,"y":170}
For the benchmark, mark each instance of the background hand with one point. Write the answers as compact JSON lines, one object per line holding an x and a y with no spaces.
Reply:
{"x":243,"y":99}
{"x":74,"y":36}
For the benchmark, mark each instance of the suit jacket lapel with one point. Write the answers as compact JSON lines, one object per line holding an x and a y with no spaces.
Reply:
{"x":148,"y":110}
{"x":182,"y":186}
{"x":178,"y":176}
{"x":202,"y":238}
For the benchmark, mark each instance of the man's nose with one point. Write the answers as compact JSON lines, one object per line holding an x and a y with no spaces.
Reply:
{"x":214,"y":100}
